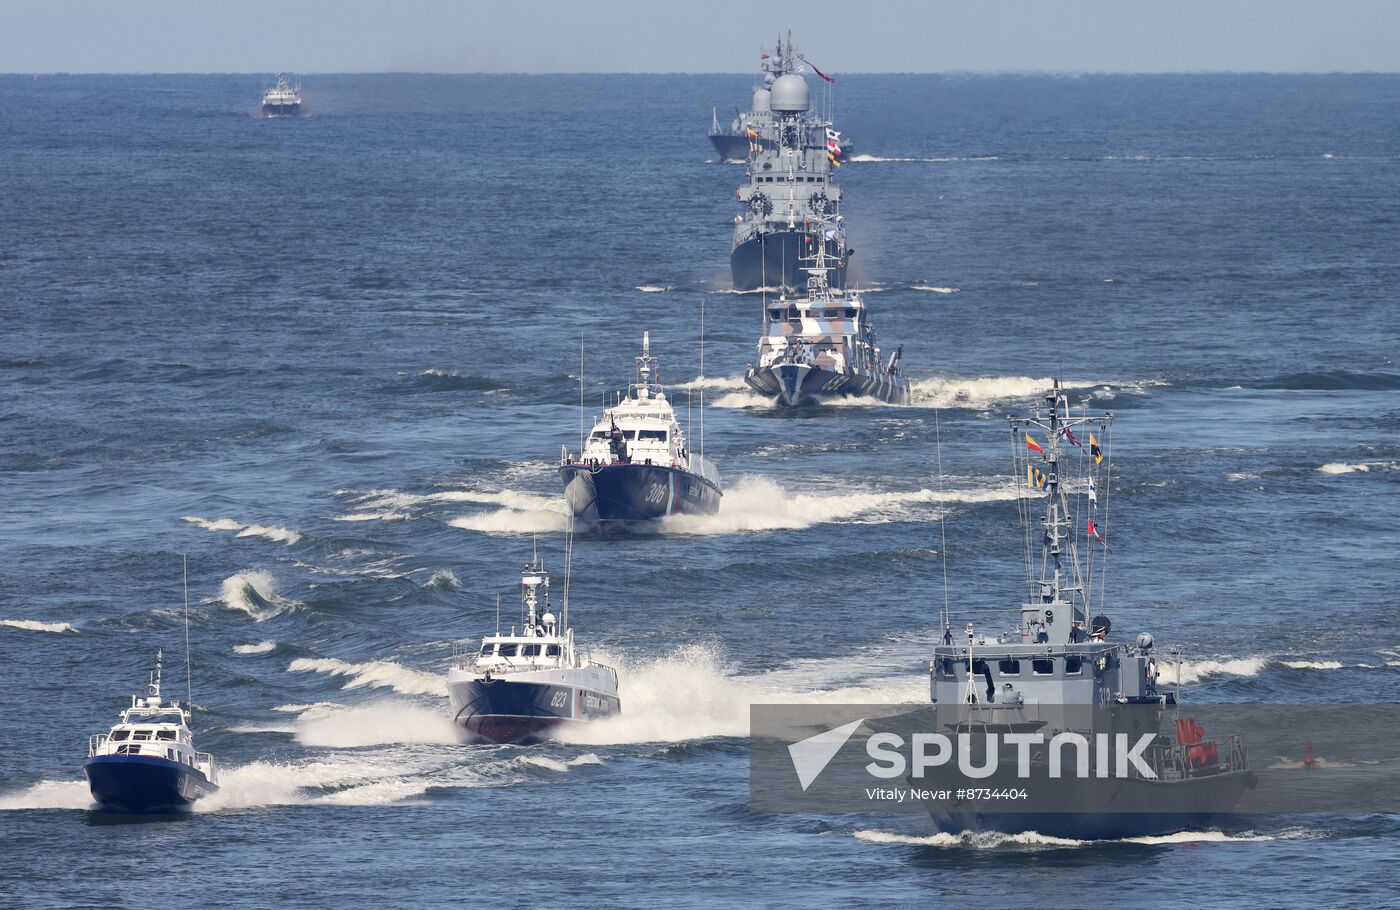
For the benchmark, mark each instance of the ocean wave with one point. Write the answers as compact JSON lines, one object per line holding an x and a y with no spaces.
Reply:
{"x":652,"y":288}
{"x":262,"y":728}
{"x":439,"y":380}
{"x":261,"y":647}
{"x":720,"y":383}
{"x":270,"y":532}
{"x":869,"y":159}
{"x":932,"y":289}
{"x":1332,"y":380}
{"x":359,"y":777}
{"x":551,"y":764}
{"x":1360,"y":467}
{"x":313,"y":709}
{"x":49,"y":794}
{"x":1192,"y":671}
{"x":254,"y":592}
{"x":984,"y":391}
{"x":443,"y":580}
{"x":377,"y":724}
{"x":754,"y":503}
{"x":693,"y":693}
{"x":373,"y":674}
{"x":34,"y":625}
{"x":996,"y":840}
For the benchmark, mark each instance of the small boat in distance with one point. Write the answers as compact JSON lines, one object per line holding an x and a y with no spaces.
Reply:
{"x":283,"y":99}
{"x":519,"y":688}
{"x":147,"y":761}
{"x":636,"y":465}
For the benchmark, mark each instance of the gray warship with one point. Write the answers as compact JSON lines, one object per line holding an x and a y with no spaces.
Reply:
{"x":755,"y":128}
{"x":789,"y":198}
{"x":822,"y":345}
{"x":1061,"y":670}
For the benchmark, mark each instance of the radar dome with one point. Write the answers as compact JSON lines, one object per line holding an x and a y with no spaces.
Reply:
{"x":790,"y":94}
{"x":760,"y":100}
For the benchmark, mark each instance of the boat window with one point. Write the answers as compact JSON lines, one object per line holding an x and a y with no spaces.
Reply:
{"x":598,"y":434}
{"x":1010,"y":667}
{"x":1043,"y":666}
{"x":165,"y":734}
{"x":170,"y":754}
{"x":1074,"y":664}
{"x":653,"y":434}
{"x":530,"y":651}
{"x":508,"y":650}
{"x":119,"y":735}
{"x":979,"y":666}
{"x":141,"y":734}
{"x":487,"y":649}
{"x":551,"y":650}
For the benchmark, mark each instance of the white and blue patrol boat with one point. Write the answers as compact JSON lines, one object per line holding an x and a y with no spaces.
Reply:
{"x":524,"y":686}
{"x":636,"y":465}
{"x":283,"y":99}
{"x":147,"y":762}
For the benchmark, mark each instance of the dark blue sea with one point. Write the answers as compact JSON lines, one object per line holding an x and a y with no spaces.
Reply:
{"x":333,"y":360}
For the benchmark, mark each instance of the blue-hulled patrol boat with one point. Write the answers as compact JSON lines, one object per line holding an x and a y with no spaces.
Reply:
{"x":523,"y":687}
{"x":147,"y":762}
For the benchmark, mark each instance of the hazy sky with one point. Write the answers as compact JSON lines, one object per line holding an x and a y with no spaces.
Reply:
{"x":720,"y":36}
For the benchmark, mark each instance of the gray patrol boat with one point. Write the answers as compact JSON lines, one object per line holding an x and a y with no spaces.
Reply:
{"x":754,"y":129}
{"x":1060,"y":672}
{"x":823,"y":345}
{"x":789,"y":198}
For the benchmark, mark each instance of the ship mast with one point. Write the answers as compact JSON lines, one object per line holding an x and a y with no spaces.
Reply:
{"x":1057,"y":610}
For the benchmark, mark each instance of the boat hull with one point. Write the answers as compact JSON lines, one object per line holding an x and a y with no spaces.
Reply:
{"x":1156,"y":809}
{"x":521,"y":712}
{"x":770,"y":259}
{"x":794,"y":385}
{"x":624,"y":493}
{"x":281,"y":110}
{"x":144,"y":783}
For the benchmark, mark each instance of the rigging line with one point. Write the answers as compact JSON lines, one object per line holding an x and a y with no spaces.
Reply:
{"x":580,"y":396}
{"x":189,"y":683}
{"x":1023,"y":506}
{"x":702,"y":379}
{"x":1107,"y":430}
{"x":942,"y":515}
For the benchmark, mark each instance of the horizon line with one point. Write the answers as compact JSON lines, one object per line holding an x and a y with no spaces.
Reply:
{"x":536,"y":74}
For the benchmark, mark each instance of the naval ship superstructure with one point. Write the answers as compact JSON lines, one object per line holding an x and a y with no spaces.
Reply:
{"x":283,"y":99}
{"x":636,"y":465}
{"x":789,"y":197}
{"x":1060,"y":669}
{"x":524,"y":686}
{"x":755,"y":128}
{"x":823,"y":345}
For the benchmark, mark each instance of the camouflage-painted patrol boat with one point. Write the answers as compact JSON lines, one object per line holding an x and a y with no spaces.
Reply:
{"x":823,"y":345}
